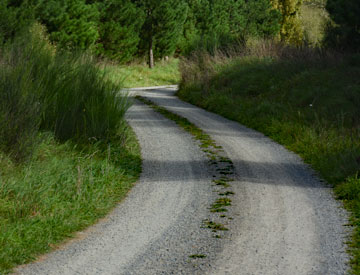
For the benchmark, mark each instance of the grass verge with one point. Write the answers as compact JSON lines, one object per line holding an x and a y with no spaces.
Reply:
{"x":139,"y":75}
{"x":66,"y":154}
{"x":63,"y":189}
{"x":306,"y":100}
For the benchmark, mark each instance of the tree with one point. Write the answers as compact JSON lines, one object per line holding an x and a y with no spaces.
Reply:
{"x":221,"y":23}
{"x":254,"y":18}
{"x":119,"y":26}
{"x":163,"y":26}
{"x":346,"y":31}
{"x":72,"y":24}
{"x":14,"y":16}
{"x":291,"y":31}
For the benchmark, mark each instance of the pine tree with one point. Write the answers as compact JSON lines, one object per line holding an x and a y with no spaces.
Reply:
{"x":190,"y":31}
{"x":163,"y":26}
{"x":291,"y":31}
{"x":14,"y":16}
{"x":254,"y":18}
{"x":120,"y":26}
{"x":222,"y":22}
{"x":70,"y":23}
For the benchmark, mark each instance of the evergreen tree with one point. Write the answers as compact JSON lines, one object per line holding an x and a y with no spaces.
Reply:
{"x":163,"y":26}
{"x":120,"y":26}
{"x":254,"y":18}
{"x":291,"y":31}
{"x":190,"y":31}
{"x":70,"y":23}
{"x":14,"y":16}
{"x":222,"y":22}
{"x":346,"y":31}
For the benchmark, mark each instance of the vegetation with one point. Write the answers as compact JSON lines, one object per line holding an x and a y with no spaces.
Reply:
{"x":314,"y":19}
{"x":291,"y":30}
{"x":124,"y":30}
{"x":345,"y":32}
{"x":139,"y":75}
{"x":66,"y":154}
{"x":305,"y":99}
{"x":64,"y":188}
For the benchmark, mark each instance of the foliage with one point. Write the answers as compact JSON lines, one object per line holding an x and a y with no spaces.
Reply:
{"x":221,"y":24}
{"x":163,"y":25}
{"x":345,"y":33}
{"x":314,"y":19}
{"x":14,"y":17}
{"x":72,"y":24}
{"x":120,"y":25}
{"x":291,"y":31}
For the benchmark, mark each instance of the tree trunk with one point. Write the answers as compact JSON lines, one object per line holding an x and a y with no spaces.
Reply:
{"x":151,"y":54}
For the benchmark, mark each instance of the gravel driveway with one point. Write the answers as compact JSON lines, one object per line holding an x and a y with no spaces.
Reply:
{"x":285,"y":221}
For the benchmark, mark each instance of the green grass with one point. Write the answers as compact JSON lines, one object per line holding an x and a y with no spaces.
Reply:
{"x":63,"y":189}
{"x":305,"y":100}
{"x":66,"y":154}
{"x":140,"y":75}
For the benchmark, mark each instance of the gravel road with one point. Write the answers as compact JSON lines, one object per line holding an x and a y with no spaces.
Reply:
{"x":285,"y":221}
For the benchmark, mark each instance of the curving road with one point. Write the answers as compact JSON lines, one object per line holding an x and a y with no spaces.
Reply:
{"x":285,"y":221}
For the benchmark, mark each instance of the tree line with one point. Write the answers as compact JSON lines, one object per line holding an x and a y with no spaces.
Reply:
{"x":121,"y":30}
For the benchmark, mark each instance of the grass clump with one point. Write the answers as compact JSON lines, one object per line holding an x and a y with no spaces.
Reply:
{"x":305,"y":99}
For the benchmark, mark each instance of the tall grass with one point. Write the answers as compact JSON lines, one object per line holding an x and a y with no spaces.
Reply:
{"x":45,"y":89}
{"x":306,"y":99}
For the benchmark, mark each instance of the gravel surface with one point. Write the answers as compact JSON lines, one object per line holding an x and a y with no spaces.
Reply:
{"x":285,"y":221}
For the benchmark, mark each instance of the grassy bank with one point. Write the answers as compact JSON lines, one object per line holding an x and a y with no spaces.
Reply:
{"x":67,"y":155}
{"x":139,"y":75}
{"x":64,"y":188}
{"x":304,"y":99}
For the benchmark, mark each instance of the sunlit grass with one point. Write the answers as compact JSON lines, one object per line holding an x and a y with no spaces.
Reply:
{"x":140,"y":75}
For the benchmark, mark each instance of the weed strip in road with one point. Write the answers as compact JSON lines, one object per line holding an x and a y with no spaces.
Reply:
{"x":222,"y":167}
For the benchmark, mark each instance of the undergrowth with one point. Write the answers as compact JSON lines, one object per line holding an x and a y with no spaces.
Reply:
{"x":305,"y":99}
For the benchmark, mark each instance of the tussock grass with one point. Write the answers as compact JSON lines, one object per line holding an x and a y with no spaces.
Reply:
{"x":305,"y":99}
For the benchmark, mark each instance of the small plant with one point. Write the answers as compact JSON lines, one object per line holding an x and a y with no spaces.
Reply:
{"x":215,"y":226}
{"x":221,"y":182}
{"x":197,"y":256}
